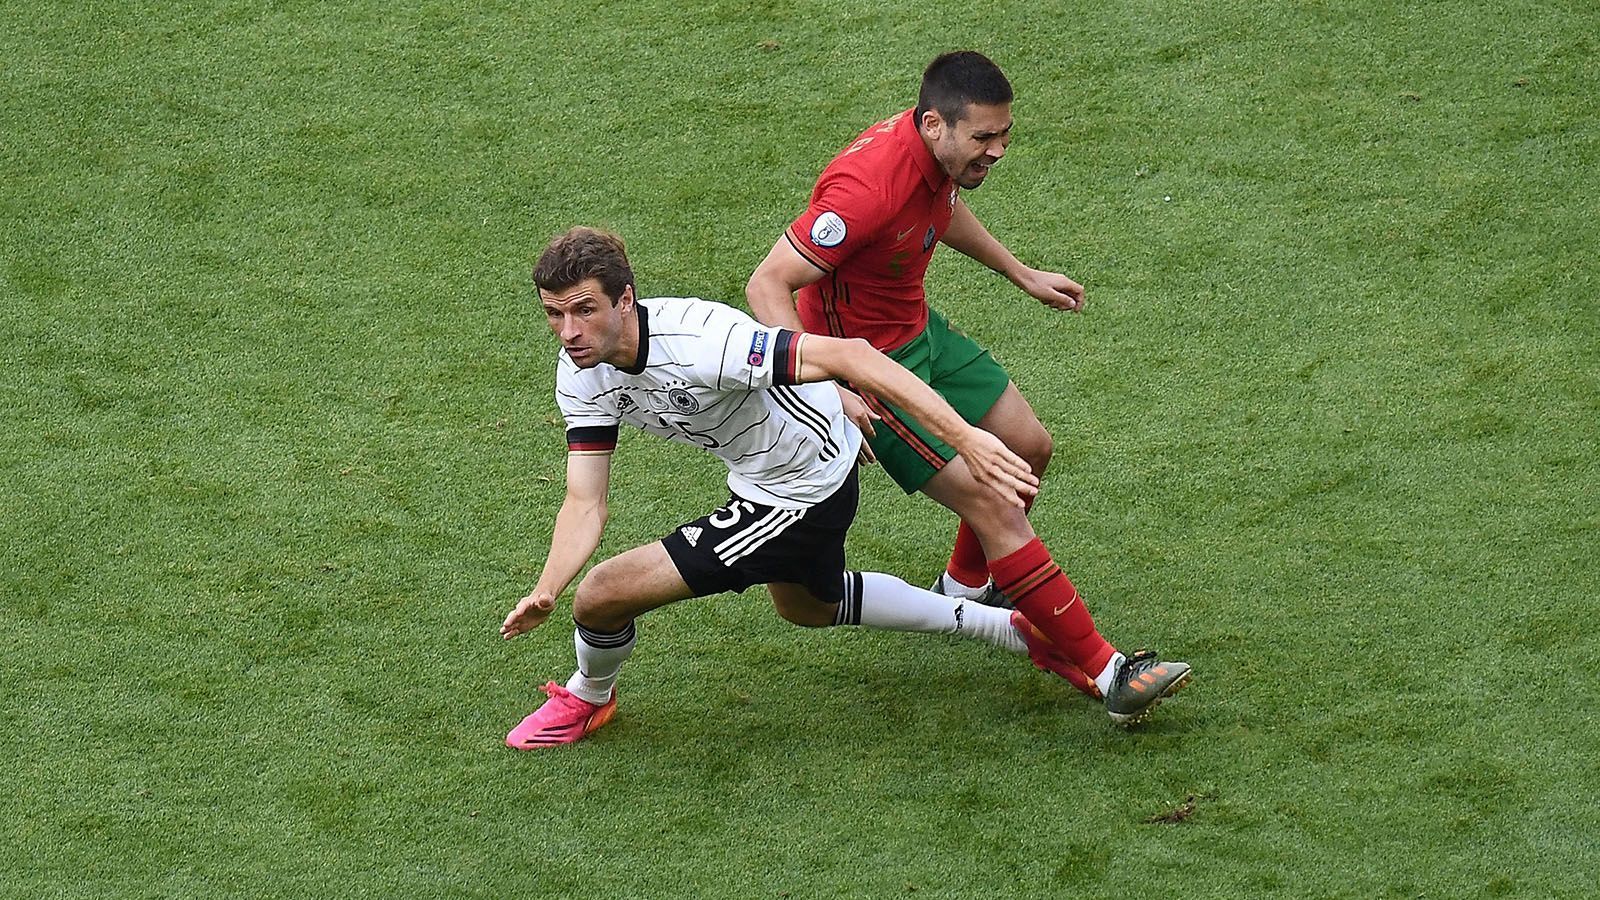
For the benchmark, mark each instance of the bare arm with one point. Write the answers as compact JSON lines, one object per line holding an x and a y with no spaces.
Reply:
{"x":853,"y":359}
{"x":967,"y":235}
{"x":771,"y":288}
{"x":579,"y":524}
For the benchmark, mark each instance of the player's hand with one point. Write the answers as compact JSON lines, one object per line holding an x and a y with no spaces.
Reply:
{"x":529,"y":614}
{"x":1054,"y":290}
{"x":994,"y":466}
{"x":857,"y":411}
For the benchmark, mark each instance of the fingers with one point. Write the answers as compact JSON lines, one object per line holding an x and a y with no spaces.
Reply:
{"x":527,"y":615}
{"x":1012,"y":477}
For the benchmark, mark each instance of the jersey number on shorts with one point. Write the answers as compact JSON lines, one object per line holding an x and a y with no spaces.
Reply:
{"x":729,"y":516}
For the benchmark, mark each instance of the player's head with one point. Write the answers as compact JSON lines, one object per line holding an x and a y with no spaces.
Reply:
{"x":586,"y":287}
{"x":964,"y":114}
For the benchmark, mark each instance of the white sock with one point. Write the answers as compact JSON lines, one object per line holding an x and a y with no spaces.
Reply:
{"x":1103,"y":680}
{"x":600,"y":658}
{"x":876,"y":600}
{"x":950,"y":586}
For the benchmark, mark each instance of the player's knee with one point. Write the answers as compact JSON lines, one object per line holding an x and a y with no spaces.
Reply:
{"x":1036,"y":449}
{"x":996,"y":520}
{"x":807,"y":613}
{"x":596,"y":603}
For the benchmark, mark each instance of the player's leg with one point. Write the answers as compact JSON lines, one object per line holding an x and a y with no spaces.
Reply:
{"x":1024,"y":570}
{"x":877,"y":600}
{"x":604,"y":607}
{"x":1011,"y":419}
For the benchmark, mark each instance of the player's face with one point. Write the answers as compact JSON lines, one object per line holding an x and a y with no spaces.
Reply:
{"x":591,"y":329}
{"x":968,"y":148}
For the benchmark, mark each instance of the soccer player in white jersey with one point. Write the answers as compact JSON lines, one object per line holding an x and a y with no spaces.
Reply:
{"x":757,"y":397}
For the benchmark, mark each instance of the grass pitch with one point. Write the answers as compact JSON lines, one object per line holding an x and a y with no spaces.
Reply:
{"x":280,"y":450}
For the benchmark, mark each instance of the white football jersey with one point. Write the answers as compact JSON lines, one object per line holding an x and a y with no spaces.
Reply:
{"x":710,"y":376}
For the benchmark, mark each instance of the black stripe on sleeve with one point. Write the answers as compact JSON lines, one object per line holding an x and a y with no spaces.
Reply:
{"x":592,"y":437}
{"x":785,"y":359}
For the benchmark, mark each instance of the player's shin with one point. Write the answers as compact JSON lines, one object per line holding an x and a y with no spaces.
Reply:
{"x":600,"y":658}
{"x":968,"y":566}
{"x":1043,"y":593}
{"x":876,"y":600}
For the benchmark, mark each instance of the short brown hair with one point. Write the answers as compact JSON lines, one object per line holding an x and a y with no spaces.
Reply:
{"x":583,"y":253}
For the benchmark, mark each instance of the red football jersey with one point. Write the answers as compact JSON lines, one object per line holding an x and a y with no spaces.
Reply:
{"x":876,"y":213}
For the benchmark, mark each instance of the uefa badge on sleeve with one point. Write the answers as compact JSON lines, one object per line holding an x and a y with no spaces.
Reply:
{"x":828,"y":230}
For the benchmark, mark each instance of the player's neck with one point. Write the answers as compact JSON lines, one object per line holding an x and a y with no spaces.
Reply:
{"x":630,"y":337}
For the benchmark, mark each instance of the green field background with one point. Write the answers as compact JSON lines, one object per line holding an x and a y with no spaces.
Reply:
{"x":278,"y":449}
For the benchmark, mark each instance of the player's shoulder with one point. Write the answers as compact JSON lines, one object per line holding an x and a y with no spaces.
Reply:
{"x":690,"y":316}
{"x":571,"y":377}
{"x":877,"y":166}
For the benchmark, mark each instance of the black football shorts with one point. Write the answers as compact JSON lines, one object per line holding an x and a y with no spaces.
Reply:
{"x":746,"y":543}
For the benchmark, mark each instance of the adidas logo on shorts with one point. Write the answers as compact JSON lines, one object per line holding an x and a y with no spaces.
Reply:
{"x":691,"y":533}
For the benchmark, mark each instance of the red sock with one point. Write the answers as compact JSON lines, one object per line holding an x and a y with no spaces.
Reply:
{"x":1046,"y":596}
{"x":967,"y":562}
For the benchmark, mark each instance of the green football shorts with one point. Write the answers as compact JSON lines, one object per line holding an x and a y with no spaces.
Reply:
{"x":962,"y":372}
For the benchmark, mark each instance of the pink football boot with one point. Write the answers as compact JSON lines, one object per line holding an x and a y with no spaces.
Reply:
{"x":563,"y":719}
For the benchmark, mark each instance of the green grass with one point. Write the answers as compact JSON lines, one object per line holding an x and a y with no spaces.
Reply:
{"x":279,"y":450}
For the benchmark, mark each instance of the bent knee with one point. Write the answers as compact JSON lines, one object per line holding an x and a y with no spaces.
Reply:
{"x":1036,"y":447}
{"x":597,"y":604}
{"x":806,"y":613}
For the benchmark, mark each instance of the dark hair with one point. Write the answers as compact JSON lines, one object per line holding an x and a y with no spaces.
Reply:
{"x":954,"y":80}
{"x":584,"y":253}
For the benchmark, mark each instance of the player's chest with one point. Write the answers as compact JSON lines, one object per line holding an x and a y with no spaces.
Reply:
{"x":673,"y":408}
{"x":906,"y":244}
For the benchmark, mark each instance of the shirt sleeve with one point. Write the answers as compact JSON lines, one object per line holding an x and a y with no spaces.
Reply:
{"x":846,"y":214}
{"x":591,"y":424}
{"x":750,"y":356}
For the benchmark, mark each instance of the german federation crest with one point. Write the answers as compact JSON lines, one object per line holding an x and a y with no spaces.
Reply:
{"x":683,"y":401}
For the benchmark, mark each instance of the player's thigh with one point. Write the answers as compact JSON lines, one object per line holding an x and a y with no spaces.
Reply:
{"x":1013,"y":420}
{"x":628,"y":585}
{"x":796,"y":603}
{"x":1001,"y":527}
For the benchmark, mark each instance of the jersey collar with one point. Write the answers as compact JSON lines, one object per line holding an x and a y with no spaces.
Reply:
{"x":644,"y":340}
{"x":906,"y":131}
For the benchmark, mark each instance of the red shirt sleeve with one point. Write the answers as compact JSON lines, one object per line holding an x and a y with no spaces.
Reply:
{"x":846,"y":214}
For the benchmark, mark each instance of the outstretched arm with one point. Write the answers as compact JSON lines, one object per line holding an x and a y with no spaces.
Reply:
{"x":968,"y":236}
{"x":853,"y":359}
{"x":579,"y":524}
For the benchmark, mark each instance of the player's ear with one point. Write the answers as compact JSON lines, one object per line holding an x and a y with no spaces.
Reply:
{"x":932,"y":124}
{"x":625,"y":301}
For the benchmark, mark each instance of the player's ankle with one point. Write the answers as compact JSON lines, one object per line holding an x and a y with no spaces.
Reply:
{"x":957,"y":586}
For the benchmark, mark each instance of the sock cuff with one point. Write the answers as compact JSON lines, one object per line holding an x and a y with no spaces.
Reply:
{"x":606,"y":640}
{"x":849,"y":612}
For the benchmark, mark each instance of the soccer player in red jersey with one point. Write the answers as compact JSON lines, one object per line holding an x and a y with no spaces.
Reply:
{"x":857,"y":257}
